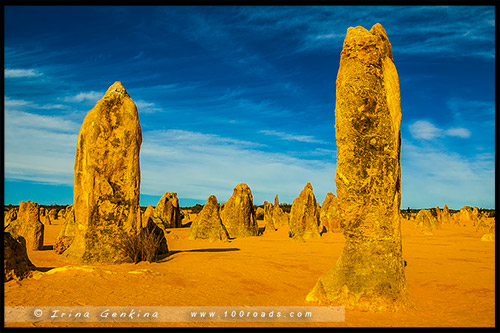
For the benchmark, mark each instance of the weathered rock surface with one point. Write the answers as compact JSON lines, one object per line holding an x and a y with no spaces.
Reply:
{"x":268,"y":218}
{"x":44,"y":216}
{"x":148,"y":215}
{"x":28,"y":225}
{"x":329,"y":214}
{"x":259,"y":213}
{"x":167,"y":213}
{"x":280,"y":218}
{"x":425,"y":222}
{"x":304,"y":215}
{"x":238,"y":215}
{"x":67,"y":233}
{"x":465,"y":217}
{"x":107,"y":180}
{"x":9,"y":216}
{"x":370,"y":273}
{"x":16,"y":263}
{"x":62,"y":213}
{"x":445,"y":215}
{"x":53,"y":214}
{"x":490,"y":236}
{"x":153,"y":238}
{"x":208,"y":224}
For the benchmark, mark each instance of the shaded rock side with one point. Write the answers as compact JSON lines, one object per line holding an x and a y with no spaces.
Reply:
{"x":304,"y":215}
{"x":370,"y":273}
{"x":237,"y":213}
{"x":167,"y":213}
{"x":16,"y":263}
{"x":148,"y":215}
{"x":259,"y":213}
{"x":107,"y":180}
{"x":152,"y":236}
{"x":28,"y":225}
{"x":425,"y":222}
{"x":208,"y":224}
{"x":67,"y":233}
{"x":329,"y":214}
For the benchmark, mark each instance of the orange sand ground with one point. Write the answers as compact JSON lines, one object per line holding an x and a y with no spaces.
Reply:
{"x":450,"y":277}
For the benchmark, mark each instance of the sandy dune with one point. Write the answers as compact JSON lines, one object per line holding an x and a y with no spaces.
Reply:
{"x":450,"y":277}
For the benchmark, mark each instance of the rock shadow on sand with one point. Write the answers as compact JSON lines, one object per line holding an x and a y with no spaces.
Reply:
{"x":167,"y":257}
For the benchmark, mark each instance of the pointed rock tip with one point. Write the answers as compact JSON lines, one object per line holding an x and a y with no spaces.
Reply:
{"x":116,"y":87}
{"x":212,"y":199}
{"x":242,"y":186}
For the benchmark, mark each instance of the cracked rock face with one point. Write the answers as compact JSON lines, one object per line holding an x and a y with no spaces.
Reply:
{"x":304,"y":215}
{"x":370,"y":273}
{"x":107,"y":179}
{"x":328,"y":214}
{"x":16,"y":263}
{"x":28,"y":225}
{"x":167,"y":213}
{"x":208,"y":224}
{"x":238,"y":215}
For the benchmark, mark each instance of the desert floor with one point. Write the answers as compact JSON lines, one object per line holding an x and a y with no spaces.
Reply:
{"x":450,"y":277}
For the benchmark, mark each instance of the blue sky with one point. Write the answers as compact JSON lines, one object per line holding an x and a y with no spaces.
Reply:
{"x":230,"y":95}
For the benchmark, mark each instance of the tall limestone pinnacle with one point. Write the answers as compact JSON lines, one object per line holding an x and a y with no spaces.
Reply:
{"x":370,"y":273}
{"x":107,"y":179}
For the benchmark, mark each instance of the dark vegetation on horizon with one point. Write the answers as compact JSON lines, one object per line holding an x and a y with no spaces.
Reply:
{"x":285,"y":206}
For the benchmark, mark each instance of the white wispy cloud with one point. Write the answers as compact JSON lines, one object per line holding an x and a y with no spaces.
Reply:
{"x":197,"y":165}
{"x":91,"y":96}
{"x":466,"y":31}
{"x":39,"y":148}
{"x":20,"y":103}
{"x":291,"y":137}
{"x":425,"y":130}
{"x":146,"y":107}
{"x":17,"y":73}
{"x":458,"y":132}
{"x":432,"y":177}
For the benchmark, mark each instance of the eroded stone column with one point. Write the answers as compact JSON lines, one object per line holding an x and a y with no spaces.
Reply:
{"x":370,"y":273}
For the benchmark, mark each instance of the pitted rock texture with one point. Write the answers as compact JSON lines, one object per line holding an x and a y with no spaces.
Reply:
{"x":107,"y":180}
{"x":28,"y":225}
{"x":329,"y":214}
{"x":238,"y":215}
{"x":304,"y":215}
{"x":167,"y":213}
{"x":208,"y":224}
{"x":16,"y":263}
{"x":370,"y":273}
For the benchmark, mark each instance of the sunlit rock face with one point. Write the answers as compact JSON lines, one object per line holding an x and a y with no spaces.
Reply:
{"x":329,"y":214}
{"x":280,"y":218}
{"x":167,"y":213}
{"x":107,"y":179}
{"x":370,"y":272}
{"x":208,"y":224}
{"x":28,"y":225}
{"x":426,"y":222}
{"x":238,"y":215}
{"x":67,"y":232}
{"x":304,"y":215}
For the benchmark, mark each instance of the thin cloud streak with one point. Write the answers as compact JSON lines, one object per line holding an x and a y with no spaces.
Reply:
{"x":10,"y":73}
{"x":425,"y":130}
